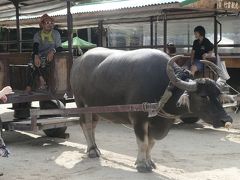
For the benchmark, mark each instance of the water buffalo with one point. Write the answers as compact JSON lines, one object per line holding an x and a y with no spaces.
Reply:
{"x":104,"y":77}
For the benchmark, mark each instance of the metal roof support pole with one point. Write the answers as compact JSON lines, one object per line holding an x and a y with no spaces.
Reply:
{"x":100,"y":33}
{"x":70,"y":31}
{"x":8,"y":39}
{"x":20,"y":40}
{"x":16,"y":4}
{"x":165,"y":31}
{"x":70,"y":28}
{"x":215,"y":32}
{"x":189,"y":43}
{"x":89,"y":34}
{"x":151,"y":31}
{"x":156,"y":34}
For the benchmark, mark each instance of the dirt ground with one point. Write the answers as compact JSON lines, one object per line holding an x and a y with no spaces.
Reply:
{"x":195,"y":151}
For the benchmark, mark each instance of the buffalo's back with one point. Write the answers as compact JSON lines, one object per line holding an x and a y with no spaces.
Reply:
{"x":110,"y":77}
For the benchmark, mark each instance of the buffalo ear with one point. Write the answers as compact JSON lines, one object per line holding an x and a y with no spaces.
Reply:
{"x":224,"y":98}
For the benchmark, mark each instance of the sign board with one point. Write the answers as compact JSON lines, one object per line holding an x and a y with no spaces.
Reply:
{"x":210,"y":4}
{"x":228,"y":4}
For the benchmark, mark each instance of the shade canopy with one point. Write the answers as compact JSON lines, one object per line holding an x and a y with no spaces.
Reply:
{"x":79,"y":43}
{"x":187,"y":2}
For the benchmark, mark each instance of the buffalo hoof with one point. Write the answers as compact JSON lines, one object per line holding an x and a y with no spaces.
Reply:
{"x":228,"y":125}
{"x":93,"y":152}
{"x":144,"y":167}
{"x":152,"y":164}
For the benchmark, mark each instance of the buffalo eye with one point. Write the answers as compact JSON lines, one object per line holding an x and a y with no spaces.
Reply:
{"x":205,"y":98}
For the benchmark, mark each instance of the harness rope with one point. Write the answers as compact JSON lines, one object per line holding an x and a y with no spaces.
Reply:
{"x":225,"y":82}
{"x":238,"y":93}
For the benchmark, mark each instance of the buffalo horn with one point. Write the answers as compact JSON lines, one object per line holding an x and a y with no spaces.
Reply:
{"x":188,"y":86}
{"x":215,"y":68}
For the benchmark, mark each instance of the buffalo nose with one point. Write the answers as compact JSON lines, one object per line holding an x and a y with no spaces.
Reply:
{"x":223,"y":121}
{"x":226,"y":119}
{"x":228,"y":125}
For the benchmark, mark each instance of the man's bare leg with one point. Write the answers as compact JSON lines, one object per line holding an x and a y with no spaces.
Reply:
{"x":43,"y":83}
{"x":193,"y":69}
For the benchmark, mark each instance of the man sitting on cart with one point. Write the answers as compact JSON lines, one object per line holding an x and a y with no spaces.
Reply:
{"x":202,"y":49}
{"x":46,"y":43}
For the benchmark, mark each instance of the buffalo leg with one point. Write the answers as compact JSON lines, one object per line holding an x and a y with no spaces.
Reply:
{"x":141,"y":131}
{"x":86,"y":122}
{"x":94,"y":124}
{"x":151,"y":143}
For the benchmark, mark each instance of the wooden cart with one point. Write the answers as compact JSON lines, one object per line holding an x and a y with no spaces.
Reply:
{"x":13,"y":72}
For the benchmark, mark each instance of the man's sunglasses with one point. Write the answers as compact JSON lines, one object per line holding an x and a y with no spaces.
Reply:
{"x":48,"y":22}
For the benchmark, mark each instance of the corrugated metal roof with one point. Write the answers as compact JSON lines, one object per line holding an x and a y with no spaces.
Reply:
{"x":115,"y":12}
{"x":35,"y":8}
{"x":29,"y":8}
{"x":90,"y":14}
{"x":109,"y":6}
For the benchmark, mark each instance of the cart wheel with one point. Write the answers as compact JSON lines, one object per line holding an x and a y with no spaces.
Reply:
{"x":190,"y":120}
{"x":22,"y":110}
{"x":56,"y":132}
{"x":53,"y":104}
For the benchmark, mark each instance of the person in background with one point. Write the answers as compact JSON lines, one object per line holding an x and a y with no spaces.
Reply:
{"x":202,"y":49}
{"x":3,"y":97}
{"x":171,"y":49}
{"x":46,"y":43}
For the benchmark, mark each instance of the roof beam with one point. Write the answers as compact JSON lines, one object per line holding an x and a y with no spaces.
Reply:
{"x":34,"y":9}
